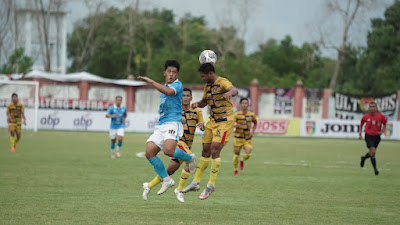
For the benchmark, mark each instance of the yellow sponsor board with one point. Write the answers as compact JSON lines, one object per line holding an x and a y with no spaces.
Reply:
{"x":281,"y":127}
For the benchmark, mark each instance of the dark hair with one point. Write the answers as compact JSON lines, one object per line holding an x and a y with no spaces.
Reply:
{"x":14,"y":94}
{"x":187,"y":89}
{"x":206,"y":68}
{"x":173,"y":63}
{"x":118,"y":97}
{"x":242,"y":99}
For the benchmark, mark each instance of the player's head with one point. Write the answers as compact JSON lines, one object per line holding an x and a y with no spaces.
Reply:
{"x":171,"y":71}
{"x":118,"y":101}
{"x":372,"y":107}
{"x":14,"y":98}
{"x":187,"y":96}
{"x":207,"y":72}
{"x":244,"y":103}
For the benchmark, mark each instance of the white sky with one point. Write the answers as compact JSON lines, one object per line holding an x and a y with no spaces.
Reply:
{"x":270,"y":18}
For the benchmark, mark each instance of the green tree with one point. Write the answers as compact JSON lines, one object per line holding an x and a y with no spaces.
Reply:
{"x":17,"y":63}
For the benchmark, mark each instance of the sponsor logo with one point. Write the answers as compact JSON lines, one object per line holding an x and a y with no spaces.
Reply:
{"x":310,"y":127}
{"x":389,"y":130}
{"x":51,"y":120}
{"x":339,"y":128}
{"x":83,"y":122}
{"x":272,"y":126}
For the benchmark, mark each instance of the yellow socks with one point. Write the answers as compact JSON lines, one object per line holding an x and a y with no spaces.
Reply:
{"x":12,"y":141}
{"x":155,"y":181}
{"x":184,"y":176}
{"x":235,"y":161}
{"x":215,"y":164}
{"x":246,"y":157}
{"x":201,"y":167}
{"x":16,"y":140}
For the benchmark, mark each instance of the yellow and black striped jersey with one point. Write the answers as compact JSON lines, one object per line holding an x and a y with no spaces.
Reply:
{"x":220,"y":108}
{"x":15,"y":112}
{"x":189,"y":120}
{"x":243,"y":124}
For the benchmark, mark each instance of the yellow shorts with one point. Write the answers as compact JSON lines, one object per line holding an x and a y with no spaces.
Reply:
{"x":239,"y":143}
{"x":218,"y":132}
{"x":12,"y":127}
{"x":182,"y":145}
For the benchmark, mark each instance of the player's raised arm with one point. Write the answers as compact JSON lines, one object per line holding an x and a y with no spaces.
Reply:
{"x":161,"y":88}
{"x":232,"y":92}
{"x":200,"y":104}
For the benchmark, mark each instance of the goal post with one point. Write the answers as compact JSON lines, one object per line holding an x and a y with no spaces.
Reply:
{"x":7,"y":87}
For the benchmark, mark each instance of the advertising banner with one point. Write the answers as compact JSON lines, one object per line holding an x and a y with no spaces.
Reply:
{"x":283,"y":101}
{"x":353,"y":107}
{"x":284,"y":127}
{"x":82,"y":120}
{"x":65,"y":104}
{"x":342,"y":129}
{"x":313,"y":96}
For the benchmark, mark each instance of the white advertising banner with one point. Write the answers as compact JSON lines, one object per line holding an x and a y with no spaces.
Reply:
{"x":50,"y":119}
{"x":342,"y":129}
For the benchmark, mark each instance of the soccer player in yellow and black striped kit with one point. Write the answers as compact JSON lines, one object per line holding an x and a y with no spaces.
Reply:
{"x":218,"y":93}
{"x":243,"y":134}
{"x":15,"y":115}
{"x":191,"y":118}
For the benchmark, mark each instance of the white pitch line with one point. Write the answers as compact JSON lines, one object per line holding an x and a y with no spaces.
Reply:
{"x":140,"y":154}
{"x":316,"y":166}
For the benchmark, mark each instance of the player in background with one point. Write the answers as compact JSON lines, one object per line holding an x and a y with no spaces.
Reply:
{"x":375,"y":125}
{"x":117,"y":113}
{"x":169,"y":128}
{"x":191,"y":118}
{"x":218,"y":93}
{"x":243,"y":134}
{"x":15,"y":115}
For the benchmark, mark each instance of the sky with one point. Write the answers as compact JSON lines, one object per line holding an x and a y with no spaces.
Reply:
{"x":268,"y":18}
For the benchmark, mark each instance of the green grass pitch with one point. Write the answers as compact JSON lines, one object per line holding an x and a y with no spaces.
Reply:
{"x":68,"y":178}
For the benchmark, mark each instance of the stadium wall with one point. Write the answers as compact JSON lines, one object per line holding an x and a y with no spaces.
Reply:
{"x":145,"y":122}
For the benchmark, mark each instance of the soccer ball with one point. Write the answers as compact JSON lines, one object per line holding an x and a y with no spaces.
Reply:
{"x":208,"y":56}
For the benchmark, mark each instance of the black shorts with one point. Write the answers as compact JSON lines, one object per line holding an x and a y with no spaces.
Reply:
{"x":372,"y":140}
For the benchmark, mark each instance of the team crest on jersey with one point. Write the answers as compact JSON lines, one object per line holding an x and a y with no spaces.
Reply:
{"x":389,"y":130}
{"x":215,"y":89}
{"x":218,"y":134}
{"x":364,"y":103}
{"x":191,"y":115}
{"x":310,"y":127}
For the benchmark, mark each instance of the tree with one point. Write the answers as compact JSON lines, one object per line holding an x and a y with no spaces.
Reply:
{"x":7,"y":8}
{"x":379,"y":66}
{"x":17,"y":63}
{"x":349,"y":11}
{"x":81,"y":43}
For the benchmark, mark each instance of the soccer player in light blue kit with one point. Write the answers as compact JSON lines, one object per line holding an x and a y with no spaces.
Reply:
{"x":169,"y":129}
{"x":117,"y":113}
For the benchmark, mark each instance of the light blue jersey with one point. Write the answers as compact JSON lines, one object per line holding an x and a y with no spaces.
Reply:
{"x":117,"y":123}
{"x":171,"y":106}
